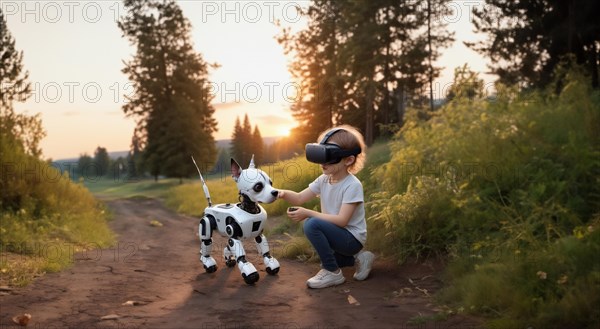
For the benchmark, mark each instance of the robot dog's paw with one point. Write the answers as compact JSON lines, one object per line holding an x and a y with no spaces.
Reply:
{"x":210,"y":265}
{"x":272,"y":271}
{"x":272,"y":265}
{"x":251,"y":278}
{"x":210,"y":269}
{"x":249,"y":272}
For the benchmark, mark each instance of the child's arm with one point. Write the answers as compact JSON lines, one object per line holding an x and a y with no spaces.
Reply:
{"x":296,"y":198}
{"x":341,"y":219}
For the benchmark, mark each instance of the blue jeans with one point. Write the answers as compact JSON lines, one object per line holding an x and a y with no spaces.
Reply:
{"x":335,"y":245}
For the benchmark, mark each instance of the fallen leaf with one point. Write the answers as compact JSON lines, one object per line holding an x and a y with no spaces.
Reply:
{"x":353,"y":300}
{"x":156,"y":223}
{"x":22,"y":320}
{"x":110,"y":317}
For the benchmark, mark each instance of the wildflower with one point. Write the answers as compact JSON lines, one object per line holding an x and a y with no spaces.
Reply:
{"x":563,"y":279}
{"x":542,"y":275}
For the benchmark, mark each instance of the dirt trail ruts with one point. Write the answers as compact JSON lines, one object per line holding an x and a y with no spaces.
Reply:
{"x":159,"y":268}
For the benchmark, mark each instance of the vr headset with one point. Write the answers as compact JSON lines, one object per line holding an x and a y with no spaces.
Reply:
{"x":325,"y":153}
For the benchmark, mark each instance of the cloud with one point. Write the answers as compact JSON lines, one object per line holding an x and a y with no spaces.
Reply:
{"x":275,"y":120}
{"x":226,"y":106}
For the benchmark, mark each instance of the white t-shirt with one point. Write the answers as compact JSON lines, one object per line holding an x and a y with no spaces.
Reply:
{"x":348,"y":190}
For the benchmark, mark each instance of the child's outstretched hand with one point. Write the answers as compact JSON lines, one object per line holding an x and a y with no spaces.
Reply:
{"x":281,"y":194}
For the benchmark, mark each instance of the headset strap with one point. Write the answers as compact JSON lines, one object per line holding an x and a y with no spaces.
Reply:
{"x":329,"y":134}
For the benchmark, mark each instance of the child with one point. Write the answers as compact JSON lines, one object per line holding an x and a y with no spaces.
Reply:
{"x":339,"y":231}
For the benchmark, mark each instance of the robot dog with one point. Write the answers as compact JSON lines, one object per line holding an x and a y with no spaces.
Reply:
{"x":242,"y":220}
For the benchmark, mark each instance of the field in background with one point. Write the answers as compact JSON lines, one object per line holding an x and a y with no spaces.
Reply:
{"x":107,"y":188}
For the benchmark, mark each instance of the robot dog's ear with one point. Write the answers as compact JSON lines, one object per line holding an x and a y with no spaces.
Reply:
{"x":236,"y":170}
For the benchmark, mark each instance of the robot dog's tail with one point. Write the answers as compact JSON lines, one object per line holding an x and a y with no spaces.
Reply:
{"x":204,"y":186}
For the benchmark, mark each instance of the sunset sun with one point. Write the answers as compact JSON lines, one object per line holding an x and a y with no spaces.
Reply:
{"x":285,"y":132}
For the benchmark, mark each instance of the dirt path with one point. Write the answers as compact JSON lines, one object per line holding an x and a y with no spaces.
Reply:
{"x":159,"y":267}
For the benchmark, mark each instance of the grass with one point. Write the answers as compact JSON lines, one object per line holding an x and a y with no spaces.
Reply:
{"x":45,"y":219}
{"x":19,"y":267}
{"x":295,"y":247}
{"x":115,"y":189}
{"x":31,"y":247}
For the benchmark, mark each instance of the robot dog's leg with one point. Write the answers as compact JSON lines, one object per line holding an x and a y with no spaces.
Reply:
{"x":248,"y":270}
{"x":205,"y":230}
{"x":229,"y":256}
{"x":271,"y":264}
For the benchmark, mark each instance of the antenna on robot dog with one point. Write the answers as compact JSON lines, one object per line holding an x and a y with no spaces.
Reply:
{"x":206,"y":193}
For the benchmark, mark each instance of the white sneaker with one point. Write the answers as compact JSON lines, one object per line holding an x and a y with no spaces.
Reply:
{"x":364,"y":261}
{"x":325,"y":279}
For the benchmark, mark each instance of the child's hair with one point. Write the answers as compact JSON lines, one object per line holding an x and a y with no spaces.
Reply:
{"x":349,"y":138}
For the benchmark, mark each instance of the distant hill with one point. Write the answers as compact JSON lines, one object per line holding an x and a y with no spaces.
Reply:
{"x":226,"y":143}
{"x":221,"y":143}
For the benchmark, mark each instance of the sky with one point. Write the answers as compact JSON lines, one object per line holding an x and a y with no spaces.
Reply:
{"x":74,"y":52}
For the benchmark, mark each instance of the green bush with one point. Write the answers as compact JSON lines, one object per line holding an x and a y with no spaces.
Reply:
{"x":43,"y":215}
{"x":486,"y":180}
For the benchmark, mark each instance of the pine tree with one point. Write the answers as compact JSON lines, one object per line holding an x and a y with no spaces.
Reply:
{"x":527,"y":39}
{"x":102,"y":161}
{"x":237,"y":140}
{"x":370,"y":55}
{"x":247,"y":146}
{"x":257,"y":146}
{"x":246,"y":142}
{"x":14,"y":84}
{"x":23,"y":132}
{"x":316,"y":50}
{"x":86,"y":167}
{"x":172,"y":99}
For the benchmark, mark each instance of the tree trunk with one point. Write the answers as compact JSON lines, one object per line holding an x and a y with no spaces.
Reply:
{"x":369,"y":118}
{"x":430,"y":55}
{"x":571,"y":25}
{"x":400,"y":108}
{"x":594,"y":66}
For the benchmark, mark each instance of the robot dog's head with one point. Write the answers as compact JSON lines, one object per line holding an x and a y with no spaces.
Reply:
{"x":253,"y":183}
